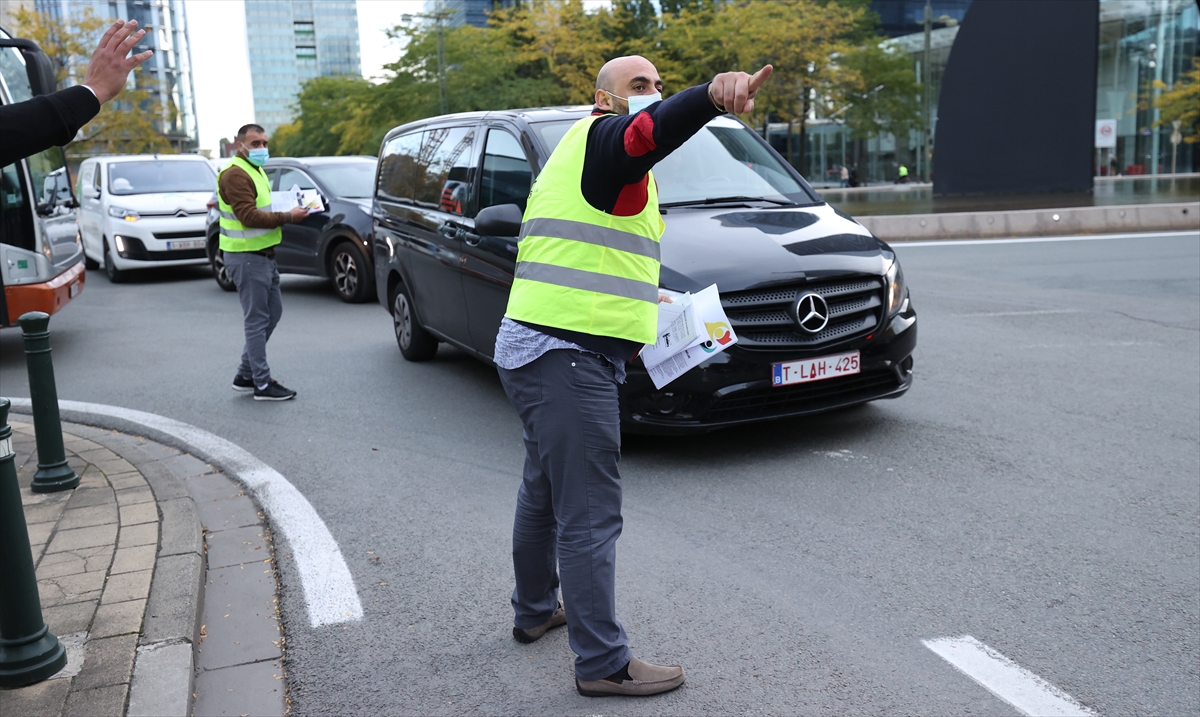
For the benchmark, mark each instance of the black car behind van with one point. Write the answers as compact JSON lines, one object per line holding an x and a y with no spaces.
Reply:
{"x":819,"y":305}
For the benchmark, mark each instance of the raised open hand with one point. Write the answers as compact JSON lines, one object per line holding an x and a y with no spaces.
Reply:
{"x":734,"y":91}
{"x":109,"y":67}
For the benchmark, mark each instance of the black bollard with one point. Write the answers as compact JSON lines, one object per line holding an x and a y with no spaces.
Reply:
{"x":53,"y":473}
{"x":28,"y":652}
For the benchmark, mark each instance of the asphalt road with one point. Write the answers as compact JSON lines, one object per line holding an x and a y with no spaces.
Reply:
{"x":1038,"y":489}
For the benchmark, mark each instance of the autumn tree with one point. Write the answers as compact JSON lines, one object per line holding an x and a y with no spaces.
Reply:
{"x":803,"y":39}
{"x":132,"y":123}
{"x":1182,"y":102}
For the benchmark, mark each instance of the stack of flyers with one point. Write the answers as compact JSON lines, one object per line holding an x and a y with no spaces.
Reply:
{"x":691,"y":330}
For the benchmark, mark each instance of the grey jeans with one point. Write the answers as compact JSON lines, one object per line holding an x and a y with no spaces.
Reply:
{"x":569,"y":503}
{"x":257,"y":280}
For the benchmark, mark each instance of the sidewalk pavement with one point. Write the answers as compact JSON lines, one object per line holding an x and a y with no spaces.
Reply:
{"x":157,"y":574}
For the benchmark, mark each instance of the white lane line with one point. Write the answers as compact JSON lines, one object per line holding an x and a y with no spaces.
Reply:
{"x":1041,"y":240}
{"x":328,"y":587}
{"x":1030,"y":694}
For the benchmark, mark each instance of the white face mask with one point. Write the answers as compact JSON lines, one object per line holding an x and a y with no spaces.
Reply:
{"x":637,"y":103}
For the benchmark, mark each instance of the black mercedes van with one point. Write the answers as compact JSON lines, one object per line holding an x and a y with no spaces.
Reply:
{"x":819,"y":305}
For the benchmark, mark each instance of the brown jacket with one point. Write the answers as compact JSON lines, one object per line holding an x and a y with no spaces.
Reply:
{"x":238,"y":190}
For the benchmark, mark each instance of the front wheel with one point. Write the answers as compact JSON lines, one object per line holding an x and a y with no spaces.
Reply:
{"x":350,"y":273}
{"x":415,"y":343}
{"x":114,"y":274}
{"x":220,"y":273}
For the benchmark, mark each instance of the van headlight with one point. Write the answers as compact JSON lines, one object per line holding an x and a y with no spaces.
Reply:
{"x":127,"y":214}
{"x":896,"y":290}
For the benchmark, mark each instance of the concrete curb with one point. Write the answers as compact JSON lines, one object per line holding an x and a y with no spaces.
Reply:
{"x":1067,"y":221}
{"x":164,"y":669}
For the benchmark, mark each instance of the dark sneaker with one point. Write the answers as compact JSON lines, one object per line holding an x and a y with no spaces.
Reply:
{"x":534,"y":633}
{"x":243,"y":385}
{"x":644,"y":679}
{"x":275,"y":391}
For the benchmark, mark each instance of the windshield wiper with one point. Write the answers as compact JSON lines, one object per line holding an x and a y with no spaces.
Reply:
{"x":725,"y":200}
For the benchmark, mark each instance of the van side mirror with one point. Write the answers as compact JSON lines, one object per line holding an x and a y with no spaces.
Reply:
{"x":502,"y":220}
{"x":37,"y":66}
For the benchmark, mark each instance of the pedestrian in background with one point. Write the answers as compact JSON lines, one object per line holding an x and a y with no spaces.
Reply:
{"x":902,"y":175}
{"x":583,"y":303}
{"x":53,"y":120}
{"x":248,"y":236}
{"x":845,"y":176}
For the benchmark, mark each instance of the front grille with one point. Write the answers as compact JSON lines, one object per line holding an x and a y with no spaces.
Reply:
{"x":765,"y":319}
{"x":802,"y":398}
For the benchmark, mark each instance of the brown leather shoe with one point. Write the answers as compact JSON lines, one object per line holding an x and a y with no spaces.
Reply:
{"x":534,"y":633}
{"x":648,"y":679}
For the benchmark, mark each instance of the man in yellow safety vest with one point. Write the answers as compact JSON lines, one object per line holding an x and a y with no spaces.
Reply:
{"x":583,"y":303}
{"x":249,"y":232}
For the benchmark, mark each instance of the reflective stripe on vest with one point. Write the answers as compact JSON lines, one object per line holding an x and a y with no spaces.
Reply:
{"x":582,"y":269}
{"x":235,"y":236}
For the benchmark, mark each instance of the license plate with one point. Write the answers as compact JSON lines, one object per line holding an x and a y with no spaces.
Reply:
{"x":816,"y":369}
{"x":188,"y":244}
{"x":73,"y":290}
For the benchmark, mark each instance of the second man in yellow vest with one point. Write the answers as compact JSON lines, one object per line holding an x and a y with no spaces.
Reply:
{"x":249,"y":232}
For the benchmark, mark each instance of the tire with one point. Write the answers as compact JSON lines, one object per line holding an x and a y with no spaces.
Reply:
{"x":89,"y":263}
{"x":350,"y":273}
{"x":416,"y":344}
{"x":114,"y":274}
{"x":220,"y":273}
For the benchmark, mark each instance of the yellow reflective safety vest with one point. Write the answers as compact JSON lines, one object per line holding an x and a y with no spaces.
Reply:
{"x":234,"y":236}
{"x":582,"y":269}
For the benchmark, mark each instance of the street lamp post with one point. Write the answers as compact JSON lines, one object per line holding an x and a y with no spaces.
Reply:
{"x":439,"y":16}
{"x":925,"y":93}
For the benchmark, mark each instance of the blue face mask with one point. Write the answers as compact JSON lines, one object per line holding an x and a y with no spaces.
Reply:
{"x":637,"y":103}
{"x":258,"y":157}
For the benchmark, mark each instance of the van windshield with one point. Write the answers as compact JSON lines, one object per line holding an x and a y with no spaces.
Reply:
{"x":160,"y":177}
{"x":725,"y":159}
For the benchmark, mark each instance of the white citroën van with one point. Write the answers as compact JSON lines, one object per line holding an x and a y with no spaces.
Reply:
{"x":141,"y":211}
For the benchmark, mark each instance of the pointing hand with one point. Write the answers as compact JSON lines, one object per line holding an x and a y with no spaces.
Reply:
{"x":734,"y":91}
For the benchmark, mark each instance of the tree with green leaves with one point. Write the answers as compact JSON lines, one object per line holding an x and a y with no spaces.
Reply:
{"x":885,"y":97}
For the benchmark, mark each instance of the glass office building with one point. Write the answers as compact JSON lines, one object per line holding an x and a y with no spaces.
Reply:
{"x":293,"y":41}
{"x":1140,"y":41}
{"x":168,"y":73}
{"x":465,"y":12}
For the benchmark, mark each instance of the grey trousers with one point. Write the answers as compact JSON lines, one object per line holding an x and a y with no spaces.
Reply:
{"x":569,"y":503}
{"x":257,"y":280}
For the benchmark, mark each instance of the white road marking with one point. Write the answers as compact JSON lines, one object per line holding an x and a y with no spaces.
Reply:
{"x":1030,"y":694}
{"x":1040,"y":240}
{"x":329,"y":591}
{"x":1024,"y":313}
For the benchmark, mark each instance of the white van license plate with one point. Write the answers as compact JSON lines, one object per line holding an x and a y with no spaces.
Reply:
{"x":189,"y":244}
{"x":817,"y":369}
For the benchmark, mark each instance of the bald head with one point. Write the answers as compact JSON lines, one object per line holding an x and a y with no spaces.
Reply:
{"x":625,"y":77}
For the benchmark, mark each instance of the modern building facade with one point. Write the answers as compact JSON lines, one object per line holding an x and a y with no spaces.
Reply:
{"x":168,"y":74}
{"x":1140,"y":42}
{"x":465,"y":12}
{"x":293,"y":41}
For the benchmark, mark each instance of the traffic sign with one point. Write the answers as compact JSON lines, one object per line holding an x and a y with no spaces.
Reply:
{"x":1106,"y":133}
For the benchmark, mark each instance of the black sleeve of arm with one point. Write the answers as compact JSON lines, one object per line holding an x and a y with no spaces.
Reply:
{"x":29,"y":127}
{"x":674,"y":120}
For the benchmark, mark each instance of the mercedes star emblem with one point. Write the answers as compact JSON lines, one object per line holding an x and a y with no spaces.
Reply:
{"x":812,"y":312}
